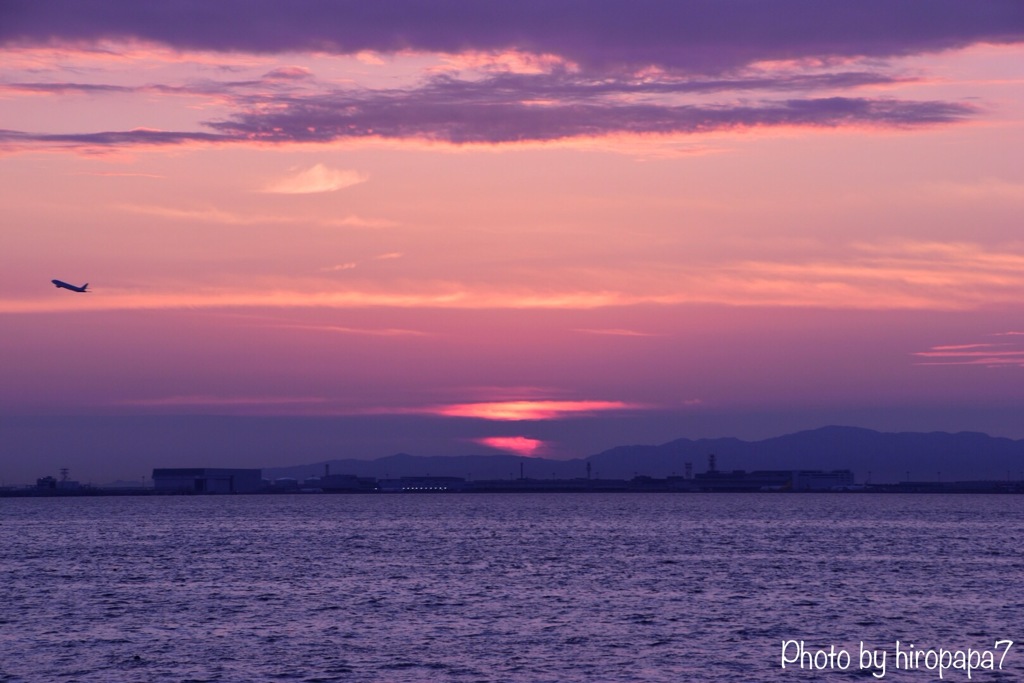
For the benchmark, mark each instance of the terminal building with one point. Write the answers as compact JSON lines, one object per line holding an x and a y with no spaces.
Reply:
{"x":206,"y":480}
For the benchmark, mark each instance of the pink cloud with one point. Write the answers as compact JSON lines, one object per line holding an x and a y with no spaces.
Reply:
{"x":317,"y":179}
{"x":529,"y":410}
{"x":339,"y":329}
{"x":617,"y":332}
{"x":520,"y":445}
{"x":987,"y":354}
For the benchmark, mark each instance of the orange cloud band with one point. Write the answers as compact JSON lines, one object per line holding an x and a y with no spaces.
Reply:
{"x":529,"y":410}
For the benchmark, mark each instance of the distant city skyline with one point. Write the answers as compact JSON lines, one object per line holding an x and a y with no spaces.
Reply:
{"x":540,"y":228}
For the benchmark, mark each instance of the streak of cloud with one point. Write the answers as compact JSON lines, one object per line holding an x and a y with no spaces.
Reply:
{"x":366,"y":331}
{"x":210,"y":214}
{"x":512,"y":411}
{"x":884,"y":276}
{"x":429,"y":116}
{"x":222,"y":401}
{"x":360,"y":222}
{"x":509,"y":411}
{"x":339,"y":117}
{"x":617,"y":332}
{"x":986,"y":354}
{"x":205,"y":215}
{"x":121,"y":174}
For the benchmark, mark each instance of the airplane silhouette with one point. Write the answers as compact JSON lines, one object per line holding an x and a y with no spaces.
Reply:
{"x":63,"y":285}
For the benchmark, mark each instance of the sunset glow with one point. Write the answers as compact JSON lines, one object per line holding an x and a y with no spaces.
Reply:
{"x":663,"y":223}
{"x":520,"y":445}
{"x":529,"y":410}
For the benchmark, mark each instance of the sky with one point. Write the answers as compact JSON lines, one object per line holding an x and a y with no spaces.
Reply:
{"x":542,"y":227}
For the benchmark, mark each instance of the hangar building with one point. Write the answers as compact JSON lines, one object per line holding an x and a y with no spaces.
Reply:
{"x":206,"y":480}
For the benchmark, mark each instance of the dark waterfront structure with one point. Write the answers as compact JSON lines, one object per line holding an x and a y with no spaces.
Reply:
{"x":346,"y":483}
{"x":207,"y":480}
{"x":737,"y":480}
{"x":772,"y":480}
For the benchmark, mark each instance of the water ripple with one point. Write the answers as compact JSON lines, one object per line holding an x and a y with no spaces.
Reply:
{"x":497,"y":587}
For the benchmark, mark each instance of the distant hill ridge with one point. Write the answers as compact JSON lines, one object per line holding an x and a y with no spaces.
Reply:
{"x":880,"y":456}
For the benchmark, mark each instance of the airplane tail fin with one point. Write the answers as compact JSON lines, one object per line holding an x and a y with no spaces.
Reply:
{"x":85,"y":286}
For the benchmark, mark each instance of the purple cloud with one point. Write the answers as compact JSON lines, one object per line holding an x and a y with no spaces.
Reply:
{"x":340,"y":117}
{"x":66,"y":88}
{"x":506,"y":107}
{"x":14,"y":138}
{"x":432,"y":115}
{"x":708,"y":36}
{"x":703,"y":47}
{"x":564,"y":85}
{"x":560,"y":84}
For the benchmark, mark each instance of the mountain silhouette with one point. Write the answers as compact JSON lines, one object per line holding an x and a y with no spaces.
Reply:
{"x":877,"y":457}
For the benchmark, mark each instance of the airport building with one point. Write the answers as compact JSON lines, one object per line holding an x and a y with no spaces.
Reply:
{"x":422,"y":485}
{"x":206,"y":480}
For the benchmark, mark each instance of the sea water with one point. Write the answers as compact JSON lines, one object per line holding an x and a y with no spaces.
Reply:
{"x":510,"y":587}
